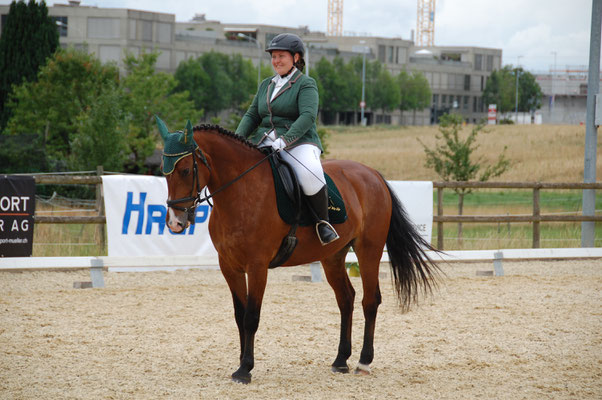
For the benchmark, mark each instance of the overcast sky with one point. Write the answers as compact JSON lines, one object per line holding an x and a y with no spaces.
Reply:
{"x":533,"y":29}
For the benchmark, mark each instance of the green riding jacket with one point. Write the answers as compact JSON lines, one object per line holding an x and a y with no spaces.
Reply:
{"x":292,"y":113}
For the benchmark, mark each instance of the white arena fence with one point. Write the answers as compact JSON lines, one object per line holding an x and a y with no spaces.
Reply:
{"x":98,"y":265}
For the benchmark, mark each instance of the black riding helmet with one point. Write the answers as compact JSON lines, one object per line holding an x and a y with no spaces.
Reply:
{"x":287,"y":42}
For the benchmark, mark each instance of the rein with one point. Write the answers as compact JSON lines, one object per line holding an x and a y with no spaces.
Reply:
{"x":224,"y":186}
{"x":197,"y":199}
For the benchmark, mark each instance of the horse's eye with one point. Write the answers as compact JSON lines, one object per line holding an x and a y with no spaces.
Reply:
{"x":185,"y":172}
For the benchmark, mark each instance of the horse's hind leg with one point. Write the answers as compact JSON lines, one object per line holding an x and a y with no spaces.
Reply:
{"x":369,"y":261}
{"x":336,"y":275}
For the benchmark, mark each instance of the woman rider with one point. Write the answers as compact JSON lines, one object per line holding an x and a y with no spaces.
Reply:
{"x":282,"y":116}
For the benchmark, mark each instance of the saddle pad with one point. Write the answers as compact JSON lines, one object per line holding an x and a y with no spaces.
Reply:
{"x":336,"y":208}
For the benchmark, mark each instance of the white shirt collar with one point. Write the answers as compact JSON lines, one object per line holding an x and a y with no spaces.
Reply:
{"x":278,"y":79}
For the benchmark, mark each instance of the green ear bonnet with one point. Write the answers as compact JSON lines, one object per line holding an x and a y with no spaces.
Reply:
{"x":178,"y":145}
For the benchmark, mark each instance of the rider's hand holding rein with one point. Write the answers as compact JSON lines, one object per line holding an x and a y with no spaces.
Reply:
{"x":278,"y":145}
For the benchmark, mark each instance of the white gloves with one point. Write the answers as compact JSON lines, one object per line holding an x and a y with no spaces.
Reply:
{"x":278,"y":144}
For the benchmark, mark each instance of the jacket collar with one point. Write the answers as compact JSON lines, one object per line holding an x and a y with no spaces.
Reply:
{"x":295,"y":76}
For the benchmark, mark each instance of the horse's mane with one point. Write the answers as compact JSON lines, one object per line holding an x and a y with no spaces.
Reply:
{"x":225,"y":132}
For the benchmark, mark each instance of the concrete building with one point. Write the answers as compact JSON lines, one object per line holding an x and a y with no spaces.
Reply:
{"x":565,"y":95}
{"x":457,"y":75}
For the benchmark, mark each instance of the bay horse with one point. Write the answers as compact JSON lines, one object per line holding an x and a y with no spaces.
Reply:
{"x":247,"y":231}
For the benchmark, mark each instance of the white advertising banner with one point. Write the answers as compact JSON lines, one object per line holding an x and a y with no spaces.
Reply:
{"x":136,"y":208}
{"x":417,"y":199}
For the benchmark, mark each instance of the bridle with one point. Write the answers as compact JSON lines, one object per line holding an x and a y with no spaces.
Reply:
{"x":190,"y":211}
{"x":197,"y":199}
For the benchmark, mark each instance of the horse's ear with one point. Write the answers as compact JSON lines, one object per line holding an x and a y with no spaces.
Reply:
{"x":189,"y":133}
{"x":162,"y":128}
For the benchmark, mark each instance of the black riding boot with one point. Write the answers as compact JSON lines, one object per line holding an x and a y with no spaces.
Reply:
{"x":319,"y":204}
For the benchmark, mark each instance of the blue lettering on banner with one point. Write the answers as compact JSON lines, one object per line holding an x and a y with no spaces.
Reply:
{"x":155,"y":214}
{"x":129,"y":208}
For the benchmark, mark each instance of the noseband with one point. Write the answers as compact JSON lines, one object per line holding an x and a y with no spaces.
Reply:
{"x":190,"y":211}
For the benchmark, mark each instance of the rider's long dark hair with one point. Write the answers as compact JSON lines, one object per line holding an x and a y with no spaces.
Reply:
{"x":300,"y":65}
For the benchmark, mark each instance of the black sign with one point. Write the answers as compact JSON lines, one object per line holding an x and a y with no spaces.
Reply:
{"x":17,"y":207}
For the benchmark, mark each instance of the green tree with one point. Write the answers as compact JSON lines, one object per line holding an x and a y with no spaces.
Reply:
{"x":191,"y":76}
{"x":529,"y":92}
{"x":453,"y":158}
{"x":386,"y":96}
{"x":29,"y":37}
{"x":66,"y":86}
{"x":147,"y":92}
{"x":217,"y":81}
{"x":501,"y":90}
{"x":415,"y":92}
{"x":337,"y":85}
{"x":100,"y":138}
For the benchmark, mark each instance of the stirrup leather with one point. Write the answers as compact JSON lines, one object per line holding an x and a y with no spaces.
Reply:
{"x":331,"y":230}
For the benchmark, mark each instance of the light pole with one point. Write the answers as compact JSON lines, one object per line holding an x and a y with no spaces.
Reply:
{"x":516,"y":101}
{"x":250,"y":38}
{"x":553,"y":93}
{"x":363,"y":102}
{"x":307,"y":42}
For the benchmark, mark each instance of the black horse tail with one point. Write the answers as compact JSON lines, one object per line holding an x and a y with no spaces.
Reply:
{"x":413,"y":271}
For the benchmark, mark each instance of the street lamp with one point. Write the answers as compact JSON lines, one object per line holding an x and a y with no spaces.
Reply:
{"x":307,"y":42}
{"x":364,"y":50}
{"x":250,"y":38}
{"x":516,"y":101}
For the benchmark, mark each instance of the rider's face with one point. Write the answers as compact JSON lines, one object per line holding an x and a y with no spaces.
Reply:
{"x":282,"y":61}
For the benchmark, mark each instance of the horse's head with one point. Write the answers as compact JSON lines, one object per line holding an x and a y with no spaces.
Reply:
{"x":186,"y":170}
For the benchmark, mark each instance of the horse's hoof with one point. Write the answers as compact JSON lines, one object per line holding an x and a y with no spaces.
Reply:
{"x":241,"y":377}
{"x":340,"y":370}
{"x":362,"y":369}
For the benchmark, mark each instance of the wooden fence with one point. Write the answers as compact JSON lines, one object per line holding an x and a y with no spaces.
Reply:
{"x":535,"y":218}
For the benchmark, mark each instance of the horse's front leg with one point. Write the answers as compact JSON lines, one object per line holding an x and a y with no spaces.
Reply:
{"x":237,"y":283}
{"x":247,"y":312}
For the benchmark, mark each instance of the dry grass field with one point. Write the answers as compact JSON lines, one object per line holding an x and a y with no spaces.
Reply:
{"x":539,"y":153}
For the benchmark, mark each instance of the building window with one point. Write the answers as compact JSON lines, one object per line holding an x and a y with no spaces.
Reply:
{"x":475,"y":102}
{"x":132,"y":29}
{"x":381,"y":53}
{"x":466,"y":82}
{"x":391,"y":53}
{"x":443,"y":100}
{"x":435,"y":100}
{"x":3,"y":19}
{"x":478,"y":62}
{"x":61,"y":24}
{"x":163,"y":32}
{"x":465,"y":104}
{"x":103,"y":28}
{"x":147,"y":31}
{"x":269,"y":37}
{"x":109,"y":53}
{"x":490,"y":63}
{"x":482,"y":83}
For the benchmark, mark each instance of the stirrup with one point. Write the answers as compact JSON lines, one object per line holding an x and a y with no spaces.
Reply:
{"x":329,"y":234}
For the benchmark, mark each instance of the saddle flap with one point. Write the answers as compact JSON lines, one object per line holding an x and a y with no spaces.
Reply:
{"x":288,"y":179}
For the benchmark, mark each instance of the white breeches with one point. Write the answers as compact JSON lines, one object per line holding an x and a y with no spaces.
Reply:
{"x":305,"y":160}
